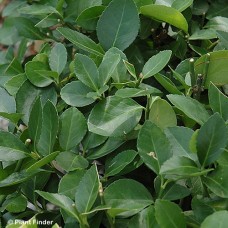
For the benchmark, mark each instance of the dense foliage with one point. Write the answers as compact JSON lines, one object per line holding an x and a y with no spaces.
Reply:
{"x":117,"y":113}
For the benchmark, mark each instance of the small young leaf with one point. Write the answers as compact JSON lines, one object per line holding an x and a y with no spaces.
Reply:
{"x":156,"y":63}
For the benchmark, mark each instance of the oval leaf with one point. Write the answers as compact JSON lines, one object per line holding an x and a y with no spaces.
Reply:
{"x":117,"y":116}
{"x":118,"y":25}
{"x":217,"y":219}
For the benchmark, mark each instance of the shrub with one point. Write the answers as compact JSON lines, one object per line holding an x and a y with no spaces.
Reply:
{"x":117,"y":113}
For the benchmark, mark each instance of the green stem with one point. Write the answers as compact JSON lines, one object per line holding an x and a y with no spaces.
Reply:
{"x":192,"y":72}
{"x":147,"y":111}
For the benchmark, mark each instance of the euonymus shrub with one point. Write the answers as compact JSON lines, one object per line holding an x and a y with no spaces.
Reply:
{"x":117,"y":113}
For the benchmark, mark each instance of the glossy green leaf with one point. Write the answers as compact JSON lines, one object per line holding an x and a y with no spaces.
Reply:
{"x":205,"y":34}
{"x":43,"y":161}
{"x":156,"y":63}
{"x":73,"y":128}
{"x":36,"y":9}
{"x":218,"y":101}
{"x":13,"y":117}
{"x":211,"y":140}
{"x":11,"y":147}
{"x":7,"y":102}
{"x":217,"y":181}
{"x":15,"y":204}
{"x":58,"y":58}
{"x":144,"y":218}
{"x":68,"y":184}
{"x":89,"y":17}
{"x":190,"y":107}
{"x":217,"y":68}
{"x":108,"y":66}
{"x":61,"y":201}
{"x":81,"y":41}
{"x":116,"y":116}
{"x":167,"y":84}
{"x":35,"y":123}
{"x":49,"y":129}
{"x":179,"y":167}
{"x":166,"y":14}
{"x":153,"y":146}
{"x":169,"y":214}
{"x":13,"y":85}
{"x":162,"y":114}
{"x":179,"y":138}
{"x":70,"y":161}
{"x":218,"y":219}
{"x":126,"y":203}
{"x":118,"y":25}
{"x":39,"y":79}
{"x":87,"y":190}
{"x":17,"y":178}
{"x":86,"y":71}
{"x":137,"y":92}
{"x":119,"y":162}
{"x":181,"y":5}
{"x":218,"y":23}
{"x":74,"y":94}
{"x":110,"y":145}
{"x":92,"y":140}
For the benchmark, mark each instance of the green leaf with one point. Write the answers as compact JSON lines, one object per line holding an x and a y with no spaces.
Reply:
{"x":70,"y":161}
{"x":17,"y":178}
{"x":218,"y":219}
{"x":68,"y":184}
{"x":179,"y":167}
{"x":108,"y":66}
{"x":205,"y":34}
{"x":130,"y":68}
{"x":13,"y":85}
{"x":167,"y":84}
{"x":87,"y":190}
{"x":181,"y":5}
{"x":15,"y":204}
{"x":156,"y":63}
{"x":110,"y":145}
{"x":137,"y":92}
{"x":74,"y":94}
{"x":81,"y":41}
{"x":73,"y":128}
{"x":218,"y":23}
{"x":169,"y":215}
{"x":7,"y":102}
{"x":144,"y":218}
{"x":119,"y":162}
{"x":37,"y":78}
{"x":11,"y":147}
{"x":27,"y":95}
{"x":43,"y":161}
{"x":27,"y":29}
{"x":190,"y":107}
{"x":58,"y":58}
{"x":36,"y":9}
{"x":162,"y":114}
{"x":211,"y":140}
{"x":89,"y":17}
{"x":117,"y":116}
{"x":217,"y":69}
{"x":61,"y":201}
{"x":179,"y":138}
{"x":86,"y":71}
{"x":153,"y":146}
{"x":35,"y":123}
{"x":118,"y":25}
{"x":92,"y":140}
{"x":13,"y":117}
{"x":49,"y":129}
{"x":166,"y":14}
{"x":218,"y":101}
{"x":217,"y":181}
{"x":133,"y":199}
